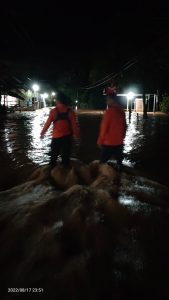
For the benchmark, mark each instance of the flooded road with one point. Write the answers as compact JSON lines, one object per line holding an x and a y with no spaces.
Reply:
{"x":146,"y":144}
{"x":87,"y":241}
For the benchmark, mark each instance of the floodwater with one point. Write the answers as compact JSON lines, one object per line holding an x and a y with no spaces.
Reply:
{"x":146,"y":146}
{"x":123,"y":253}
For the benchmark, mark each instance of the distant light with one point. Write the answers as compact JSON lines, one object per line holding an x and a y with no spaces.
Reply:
{"x":44,"y":96}
{"x":29,"y":93}
{"x":35,"y":87}
{"x":76,"y":101}
{"x":130,"y":95}
{"x":53,"y":94}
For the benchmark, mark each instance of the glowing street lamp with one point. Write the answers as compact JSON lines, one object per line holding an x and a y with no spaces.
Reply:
{"x":35,"y":87}
{"x":130,"y":97}
{"x":45,"y":95}
{"x":76,"y":101}
{"x":53,"y":94}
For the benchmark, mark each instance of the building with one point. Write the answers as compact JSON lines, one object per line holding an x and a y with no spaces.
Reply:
{"x":135,"y":102}
{"x":9,"y":101}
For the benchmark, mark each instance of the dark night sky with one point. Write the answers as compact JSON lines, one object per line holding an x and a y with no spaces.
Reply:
{"x":66,"y":35}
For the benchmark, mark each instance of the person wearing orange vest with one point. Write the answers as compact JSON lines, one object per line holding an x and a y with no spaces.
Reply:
{"x":112,"y":132}
{"x":65,"y":128}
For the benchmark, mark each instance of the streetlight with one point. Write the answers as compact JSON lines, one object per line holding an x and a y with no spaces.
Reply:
{"x":76,"y":101}
{"x":130,"y":97}
{"x":44,"y":96}
{"x":35,"y":88}
{"x":29,"y":96}
{"x":53,"y":94}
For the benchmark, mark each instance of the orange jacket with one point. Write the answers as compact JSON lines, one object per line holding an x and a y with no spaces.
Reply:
{"x":113,"y":127}
{"x":62,"y":127}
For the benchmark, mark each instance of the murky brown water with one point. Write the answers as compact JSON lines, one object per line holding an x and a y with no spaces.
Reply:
{"x":146,"y":145}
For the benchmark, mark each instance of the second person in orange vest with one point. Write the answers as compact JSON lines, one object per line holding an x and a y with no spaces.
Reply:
{"x":65,"y":128}
{"x":112,"y":132}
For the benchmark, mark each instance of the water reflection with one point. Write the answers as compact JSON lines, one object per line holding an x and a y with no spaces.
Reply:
{"x":134,"y":140}
{"x":38,"y":149}
{"x":135,"y":205}
{"x":145,"y":139}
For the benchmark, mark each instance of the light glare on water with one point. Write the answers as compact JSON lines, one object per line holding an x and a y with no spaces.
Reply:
{"x":145,"y":140}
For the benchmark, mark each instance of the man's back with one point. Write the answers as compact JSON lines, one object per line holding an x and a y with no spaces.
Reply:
{"x":62,"y":126}
{"x":113,"y":127}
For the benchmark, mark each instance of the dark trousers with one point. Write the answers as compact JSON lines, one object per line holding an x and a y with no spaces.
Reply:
{"x":108,"y":152}
{"x":61,"y":146}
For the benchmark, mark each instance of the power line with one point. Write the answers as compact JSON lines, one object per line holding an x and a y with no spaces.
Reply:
{"x":110,"y":75}
{"x":125,"y":67}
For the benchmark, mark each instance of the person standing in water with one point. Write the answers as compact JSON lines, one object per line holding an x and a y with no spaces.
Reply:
{"x":112,"y":132}
{"x":65,"y":128}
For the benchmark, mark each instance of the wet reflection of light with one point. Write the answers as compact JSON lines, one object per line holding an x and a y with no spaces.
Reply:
{"x":134,"y":205}
{"x":58,"y":225}
{"x":144,"y":188}
{"x":128,"y":163}
{"x":130,"y":139}
{"x":8,"y":141}
{"x":6,"y":134}
{"x":134,"y":138}
{"x":9,"y":148}
{"x":39,"y":149}
{"x":126,"y":200}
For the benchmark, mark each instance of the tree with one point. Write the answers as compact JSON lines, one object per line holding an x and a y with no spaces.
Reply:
{"x":164,"y":105}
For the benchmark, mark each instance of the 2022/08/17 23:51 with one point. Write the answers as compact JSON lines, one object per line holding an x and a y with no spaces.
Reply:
{"x":25,"y":290}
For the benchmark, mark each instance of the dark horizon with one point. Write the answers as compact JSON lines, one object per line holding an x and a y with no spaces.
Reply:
{"x":46,"y":42}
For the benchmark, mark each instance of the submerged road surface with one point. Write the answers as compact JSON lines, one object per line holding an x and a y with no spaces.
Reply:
{"x":146,"y":144}
{"x":103,"y":241}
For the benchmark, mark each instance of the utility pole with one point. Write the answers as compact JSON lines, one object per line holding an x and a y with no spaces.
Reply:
{"x":154,"y":104}
{"x":144,"y":107}
{"x":157,"y":101}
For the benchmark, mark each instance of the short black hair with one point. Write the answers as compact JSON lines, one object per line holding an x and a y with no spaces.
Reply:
{"x":63,"y":98}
